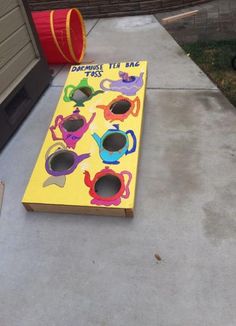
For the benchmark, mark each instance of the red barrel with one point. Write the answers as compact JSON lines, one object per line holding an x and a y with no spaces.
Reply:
{"x":62,"y":35}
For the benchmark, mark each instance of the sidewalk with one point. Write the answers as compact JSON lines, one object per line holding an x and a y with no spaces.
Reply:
{"x":68,"y":270}
{"x":215,"y":20}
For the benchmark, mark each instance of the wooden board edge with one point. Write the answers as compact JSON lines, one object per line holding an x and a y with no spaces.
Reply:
{"x":129,"y":212}
{"x":174,"y":18}
{"x":28,"y":207}
{"x":70,"y":209}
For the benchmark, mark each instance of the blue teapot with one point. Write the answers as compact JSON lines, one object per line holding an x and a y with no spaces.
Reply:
{"x":114,"y":144}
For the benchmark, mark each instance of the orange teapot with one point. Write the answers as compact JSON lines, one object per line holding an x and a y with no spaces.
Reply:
{"x":120,"y":108}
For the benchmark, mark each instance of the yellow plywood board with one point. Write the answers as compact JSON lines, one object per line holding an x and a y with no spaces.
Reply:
{"x":94,"y":133}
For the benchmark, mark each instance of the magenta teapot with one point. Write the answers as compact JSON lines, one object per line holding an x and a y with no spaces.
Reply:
{"x":72,"y":128}
{"x":127,"y":85}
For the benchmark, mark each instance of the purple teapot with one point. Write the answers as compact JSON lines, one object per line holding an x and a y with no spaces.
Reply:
{"x":127,"y":85}
{"x":61,"y":163}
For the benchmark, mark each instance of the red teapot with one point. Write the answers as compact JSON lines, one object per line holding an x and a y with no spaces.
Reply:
{"x":120,"y":108}
{"x":108,"y":187}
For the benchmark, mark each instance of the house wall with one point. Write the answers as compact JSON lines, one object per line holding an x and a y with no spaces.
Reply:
{"x":111,"y":8}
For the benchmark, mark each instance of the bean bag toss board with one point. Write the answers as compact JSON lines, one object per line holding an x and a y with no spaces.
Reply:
{"x":88,"y":162}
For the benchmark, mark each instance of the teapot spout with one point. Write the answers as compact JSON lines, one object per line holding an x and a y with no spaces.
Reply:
{"x":139,"y":81}
{"x":87,"y":179}
{"x":100,"y":106}
{"x":82,"y":157}
{"x":96,"y":138}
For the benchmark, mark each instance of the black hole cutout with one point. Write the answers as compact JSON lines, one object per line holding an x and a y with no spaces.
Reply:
{"x":62,"y":161}
{"x":120,"y":107}
{"x":130,"y":79}
{"x":114,"y":142}
{"x":82,"y":94}
{"x":107,"y":186}
{"x":73,"y":124}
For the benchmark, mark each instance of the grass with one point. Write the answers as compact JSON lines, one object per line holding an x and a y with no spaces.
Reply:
{"x":214,"y":58}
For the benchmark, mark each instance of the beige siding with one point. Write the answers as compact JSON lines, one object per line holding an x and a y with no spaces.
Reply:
{"x":29,"y":27}
{"x":17,"y":80}
{"x":12,"y":45}
{"x":15,"y":66}
{"x":10,"y":23}
{"x":7,"y":5}
{"x":18,"y":54}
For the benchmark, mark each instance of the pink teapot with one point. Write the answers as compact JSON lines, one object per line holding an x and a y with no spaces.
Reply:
{"x":72,"y":128}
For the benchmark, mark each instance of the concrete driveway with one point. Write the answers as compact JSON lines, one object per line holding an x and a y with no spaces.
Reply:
{"x":68,"y":270}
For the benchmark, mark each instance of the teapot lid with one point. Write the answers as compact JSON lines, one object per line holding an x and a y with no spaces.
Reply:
{"x":126,"y":78}
{"x":77,"y":110}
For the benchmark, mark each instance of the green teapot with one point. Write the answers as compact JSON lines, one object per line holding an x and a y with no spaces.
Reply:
{"x":81,"y":93}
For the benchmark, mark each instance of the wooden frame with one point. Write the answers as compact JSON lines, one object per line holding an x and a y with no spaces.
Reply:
{"x":89,"y":159}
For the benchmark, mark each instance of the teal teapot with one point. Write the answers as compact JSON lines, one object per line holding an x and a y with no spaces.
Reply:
{"x":114,"y":144}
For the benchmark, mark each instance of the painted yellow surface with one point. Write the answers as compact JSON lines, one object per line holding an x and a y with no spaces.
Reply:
{"x":75,"y":192}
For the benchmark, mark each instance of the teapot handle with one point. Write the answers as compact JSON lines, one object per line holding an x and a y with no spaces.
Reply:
{"x":58,"y":120}
{"x":58,"y":145}
{"x":127,"y":192}
{"x":137,"y":102}
{"x":102,"y":84}
{"x":133,"y":149}
{"x":66,"y":97}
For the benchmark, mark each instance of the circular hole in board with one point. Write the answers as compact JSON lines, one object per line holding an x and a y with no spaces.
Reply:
{"x":62,"y":161}
{"x":73,"y":124}
{"x":82,"y":94}
{"x":114,"y":142}
{"x":129,"y":80}
{"x":120,"y":107}
{"x":107,"y":186}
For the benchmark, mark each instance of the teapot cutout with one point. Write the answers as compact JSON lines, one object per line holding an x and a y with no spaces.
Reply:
{"x":61,"y":163}
{"x":81,"y":93}
{"x":114,"y":144}
{"x":120,"y":108}
{"x":127,"y":85}
{"x":72,"y":128}
{"x":108,"y":187}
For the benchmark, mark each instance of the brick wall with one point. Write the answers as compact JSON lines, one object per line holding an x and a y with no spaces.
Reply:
{"x":111,"y":8}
